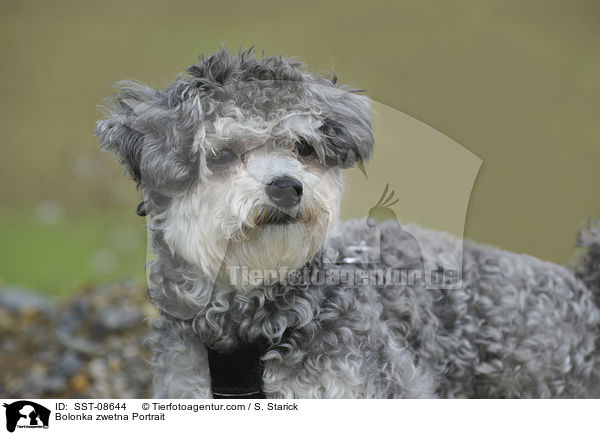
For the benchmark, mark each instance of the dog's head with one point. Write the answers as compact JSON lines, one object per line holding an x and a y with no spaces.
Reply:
{"x":240,"y":162}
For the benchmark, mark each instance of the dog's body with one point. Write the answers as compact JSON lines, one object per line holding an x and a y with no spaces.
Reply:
{"x":241,"y":169}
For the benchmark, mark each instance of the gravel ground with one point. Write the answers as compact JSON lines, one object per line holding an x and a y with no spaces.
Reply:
{"x":90,"y":346}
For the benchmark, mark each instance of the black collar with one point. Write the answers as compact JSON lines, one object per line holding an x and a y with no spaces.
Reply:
{"x":237,"y":374}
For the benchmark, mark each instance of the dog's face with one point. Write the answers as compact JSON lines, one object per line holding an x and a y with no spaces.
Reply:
{"x":241,"y":163}
{"x":266,"y":200}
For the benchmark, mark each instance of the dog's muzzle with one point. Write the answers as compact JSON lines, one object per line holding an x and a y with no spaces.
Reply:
{"x":285,"y":192}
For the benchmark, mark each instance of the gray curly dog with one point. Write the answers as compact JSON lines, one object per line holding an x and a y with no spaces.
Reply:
{"x":241,"y":162}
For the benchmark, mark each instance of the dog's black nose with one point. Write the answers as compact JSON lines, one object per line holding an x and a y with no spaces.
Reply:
{"x":284,"y":191}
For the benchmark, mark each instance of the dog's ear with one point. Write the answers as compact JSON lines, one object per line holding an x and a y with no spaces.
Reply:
{"x":347,"y":128}
{"x":120,"y":132}
{"x":124,"y":141}
{"x":153,"y":134}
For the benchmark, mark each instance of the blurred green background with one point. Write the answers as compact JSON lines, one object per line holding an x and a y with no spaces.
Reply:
{"x":515,"y":82}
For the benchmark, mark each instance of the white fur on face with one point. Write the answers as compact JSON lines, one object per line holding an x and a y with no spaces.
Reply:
{"x":214,"y":226}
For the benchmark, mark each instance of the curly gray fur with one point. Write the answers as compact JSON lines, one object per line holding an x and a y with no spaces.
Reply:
{"x":519,"y":327}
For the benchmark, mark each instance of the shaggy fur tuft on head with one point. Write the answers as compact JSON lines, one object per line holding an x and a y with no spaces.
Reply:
{"x":154,"y":131}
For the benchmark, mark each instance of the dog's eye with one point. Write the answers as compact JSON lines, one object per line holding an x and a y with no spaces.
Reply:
{"x":304,"y":149}
{"x":223,"y":157}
